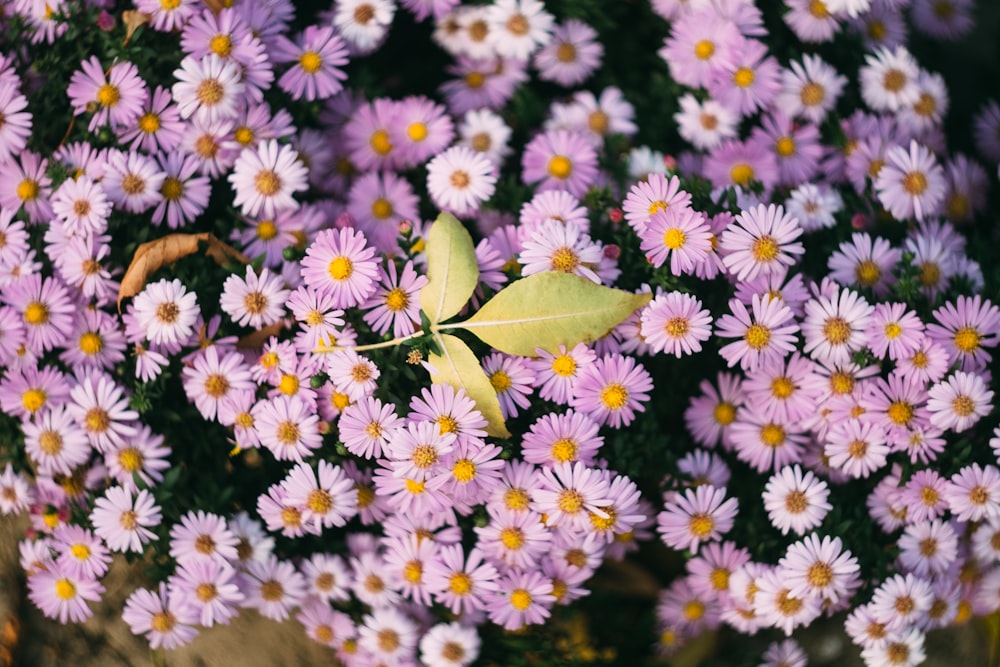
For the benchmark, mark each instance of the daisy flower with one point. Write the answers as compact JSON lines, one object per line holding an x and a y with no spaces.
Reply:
{"x":856,"y":448}
{"x":365,"y":427}
{"x":749,"y":80}
{"x":184,"y":193}
{"x":680,"y":232}
{"x":449,"y":645}
{"x":522,"y":598}
{"x":774,"y":603}
{"x":761,"y":241}
{"x":973,"y":493}
{"x":317,"y":60}
{"x":889,"y":79}
{"x":568,"y":492}
{"x":900,"y":601}
{"x":158,"y":129}
{"x":553,"y":246}
{"x":699,"y":42}
{"x":363,"y":23}
{"x":965,"y":328}
{"x":764,"y":337}
{"x":810,"y":89}
{"x":459,"y":180}
{"x":705,"y":124}
{"x":904,"y":648}
{"x":423,"y":129}
{"x":166,"y":311}
{"x":341,"y":263}
{"x":214,"y":375}
{"x":388,"y":635}
{"x":928,"y":548}
{"x":709,"y":415}
{"x":612,"y":390}
{"x":133,"y":181}
{"x":100,"y":406}
{"x":25,"y":183}
{"x":655,"y":194}
{"x":209,"y":88}
{"x":288,"y":426}
{"x":766,"y":444}
{"x":55,"y":442}
{"x":265,"y":179}
{"x":166,"y":624}
{"x":512,"y":379}
{"x":170,"y":16}
{"x":254,"y":301}
{"x":117,"y":98}
{"x":784,"y":390}
{"x":62,"y":595}
{"x":556,"y":374}
{"x":206,"y":589}
{"x":835,"y":325}
{"x":202,"y":536}
{"x":911,"y":183}
{"x":560,"y":160}
{"x":124,"y":522}
{"x":796,"y":501}
{"x":894,"y":331}
{"x":943,"y":19}
{"x":273,"y":588}
{"x":82,"y":206}
{"x":572,"y":54}
{"x":518,"y":27}
{"x":46,"y":311}
{"x":675,"y":323}
{"x":959,"y":402}
{"x":486,"y":133}
{"x":696,"y":516}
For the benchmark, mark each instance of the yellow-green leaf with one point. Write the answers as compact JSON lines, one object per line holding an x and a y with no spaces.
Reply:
{"x":550,"y":309}
{"x":458,"y":366}
{"x":452,"y":269}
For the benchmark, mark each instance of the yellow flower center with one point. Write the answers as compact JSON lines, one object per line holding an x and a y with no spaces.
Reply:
{"x":785,"y":146}
{"x":65,"y":589}
{"x":836,"y":330}
{"x":704,"y":49}
{"x":564,"y":365}
{"x":172,"y":188}
{"x":520,"y":599}
{"x":460,"y":583}
{"x":36,"y":313}
{"x":516,"y":499}
{"x":757,"y":336}
{"x":221,"y":45}
{"x":701,"y":525}
{"x":289,"y":384}
{"x":500,"y":381}
{"x":674,"y":238}
{"x":782,"y":387}
{"x":310,"y":62}
{"x":382,"y":208}
{"x":915,"y":183}
{"x":614,"y":396}
{"x":724,"y":413}
{"x":340,"y":268}
{"x":267,"y":183}
{"x":512,"y":538}
{"x":741,"y":174}
{"x":564,"y":449}
{"x":867,"y":273}
{"x":108,"y":95}
{"x":397,"y":300}
{"x":130,"y":459}
{"x":33,"y":399}
{"x":416,"y":131}
{"x":560,"y":167}
{"x":27,"y":190}
{"x":894,"y":80}
{"x":149,"y":122}
{"x":812,"y":94}
{"x":743,"y":77}
{"x":772,"y":435}
{"x":210,"y":92}
{"x":464,"y":470}
{"x":565,"y":260}
{"x":900,"y":413}
{"x":765,"y":249}
{"x":967,"y":340}
{"x":380,"y":142}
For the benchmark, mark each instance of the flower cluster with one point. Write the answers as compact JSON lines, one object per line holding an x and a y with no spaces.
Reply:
{"x":260,"y":425}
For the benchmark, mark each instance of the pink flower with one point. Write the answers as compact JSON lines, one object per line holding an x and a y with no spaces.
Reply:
{"x":612,"y":390}
{"x":766,"y":337}
{"x":522,"y":598}
{"x":266,"y":177}
{"x":675,"y":323}
{"x":697,"y":516}
{"x":341,"y":263}
{"x":761,"y":242}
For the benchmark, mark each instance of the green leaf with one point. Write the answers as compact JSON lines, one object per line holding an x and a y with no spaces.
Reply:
{"x":550,"y":309}
{"x":452,"y":269}
{"x":458,"y":366}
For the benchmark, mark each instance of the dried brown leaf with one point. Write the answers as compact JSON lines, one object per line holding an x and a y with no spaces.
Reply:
{"x":152,"y":255}
{"x":132,"y":20}
{"x":216,"y":5}
{"x":255,"y":339}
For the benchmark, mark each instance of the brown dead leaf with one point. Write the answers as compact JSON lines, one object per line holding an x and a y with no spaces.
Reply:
{"x":152,"y":255}
{"x":256,"y":339}
{"x":216,"y":5}
{"x":132,"y":20}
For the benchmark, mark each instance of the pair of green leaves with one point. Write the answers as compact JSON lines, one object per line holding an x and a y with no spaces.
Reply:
{"x":543,"y":310}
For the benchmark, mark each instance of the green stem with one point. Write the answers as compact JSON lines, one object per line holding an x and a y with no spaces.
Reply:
{"x":158,"y":658}
{"x":374,"y":346}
